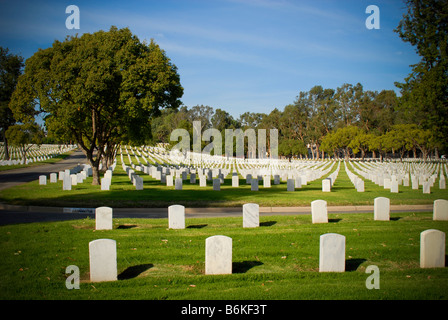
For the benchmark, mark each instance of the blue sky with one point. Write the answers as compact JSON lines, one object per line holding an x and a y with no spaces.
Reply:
{"x":237,"y":55}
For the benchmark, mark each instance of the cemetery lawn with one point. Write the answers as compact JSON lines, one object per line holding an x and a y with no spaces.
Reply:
{"x":278,"y":260}
{"x":122,"y":194}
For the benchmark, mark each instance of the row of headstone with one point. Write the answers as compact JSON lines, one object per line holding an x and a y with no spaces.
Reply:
{"x":381,"y":211}
{"x":35,"y":154}
{"x":218,"y":254}
{"x":218,"y":257}
{"x":356,"y":181}
{"x":391,"y":176}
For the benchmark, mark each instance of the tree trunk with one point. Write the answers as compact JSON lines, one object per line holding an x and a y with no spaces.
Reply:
{"x":5,"y":145}
{"x":95,"y":174}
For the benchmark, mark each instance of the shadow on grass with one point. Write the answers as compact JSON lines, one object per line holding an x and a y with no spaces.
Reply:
{"x":127,"y":226}
{"x":197,"y":226}
{"x":134,"y":271}
{"x":334,"y":220}
{"x":267,"y":223}
{"x":244,"y":266}
{"x":353,"y":264}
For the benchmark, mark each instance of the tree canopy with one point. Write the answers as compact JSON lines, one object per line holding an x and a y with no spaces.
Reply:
{"x":99,"y":89}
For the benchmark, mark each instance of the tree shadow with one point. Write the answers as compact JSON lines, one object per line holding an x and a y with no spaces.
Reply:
{"x":244,"y":266}
{"x":197,"y":226}
{"x":353,"y":264}
{"x":134,"y":271}
{"x":267,"y":223}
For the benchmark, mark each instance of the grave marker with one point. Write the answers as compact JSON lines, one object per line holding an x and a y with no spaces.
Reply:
{"x":53,"y":177}
{"x":42,"y":180}
{"x":319,"y":211}
{"x":440,"y":210}
{"x":332,"y":253}
{"x":381,"y":211}
{"x":103,"y":218}
{"x":103,"y":260}
{"x":290,"y":185}
{"x":235,"y":181}
{"x":176,"y":217}
{"x":251,"y":215}
{"x":254,"y":184}
{"x":326,"y":185}
{"x":432,"y":249}
{"x":218,"y":255}
{"x":216,"y":184}
{"x":178,"y":184}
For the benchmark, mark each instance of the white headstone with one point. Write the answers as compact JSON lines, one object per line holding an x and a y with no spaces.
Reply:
{"x":319,"y":211}
{"x":442,"y":182}
{"x":176,"y":217}
{"x":103,"y":218}
{"x":218,"y":255}
{"x":298,"y":182}
{"x":178,"y":184}
{"x":332,"y":253}
{"x":290,"y":184}
{"x":432,"y":249}
{"x":426,"y":187}
{"x":266,"y":181}
{"x":216,"y":184}
{"x":67,"y":182}
{"x":387,"y":183}
{"x":276,"y":179}
{"x":103,"y":260}
{"x":202,"y":181}
{"x":42,"y":180}
{"x":53,"y":177}
{"x":394,"y":186}
{"x":235,"y":181}
{"x":169,"y":180}
{"x":326,"y":185}
{"x":105,"y":182}
{"x":360,"y":185}
{"x":440,"y":210}
{"x":381,"y":209}
{"x":254,"y":184}
{"x":251,"y":215}
{"x":74,"y":178}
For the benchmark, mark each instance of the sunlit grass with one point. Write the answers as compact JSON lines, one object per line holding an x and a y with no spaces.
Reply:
{"x":278,"y":260}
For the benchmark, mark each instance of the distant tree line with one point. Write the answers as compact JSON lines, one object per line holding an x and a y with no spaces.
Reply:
{"x":343,"y":122}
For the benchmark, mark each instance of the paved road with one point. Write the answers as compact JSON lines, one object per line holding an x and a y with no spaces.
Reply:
{"x":14,"y":177}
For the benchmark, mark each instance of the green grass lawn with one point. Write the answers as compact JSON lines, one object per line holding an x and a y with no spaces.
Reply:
{"x":278,"y":260}
{"x":123,"y":194}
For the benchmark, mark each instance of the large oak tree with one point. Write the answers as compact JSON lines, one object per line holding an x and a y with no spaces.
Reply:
{"x":99,"y":89}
